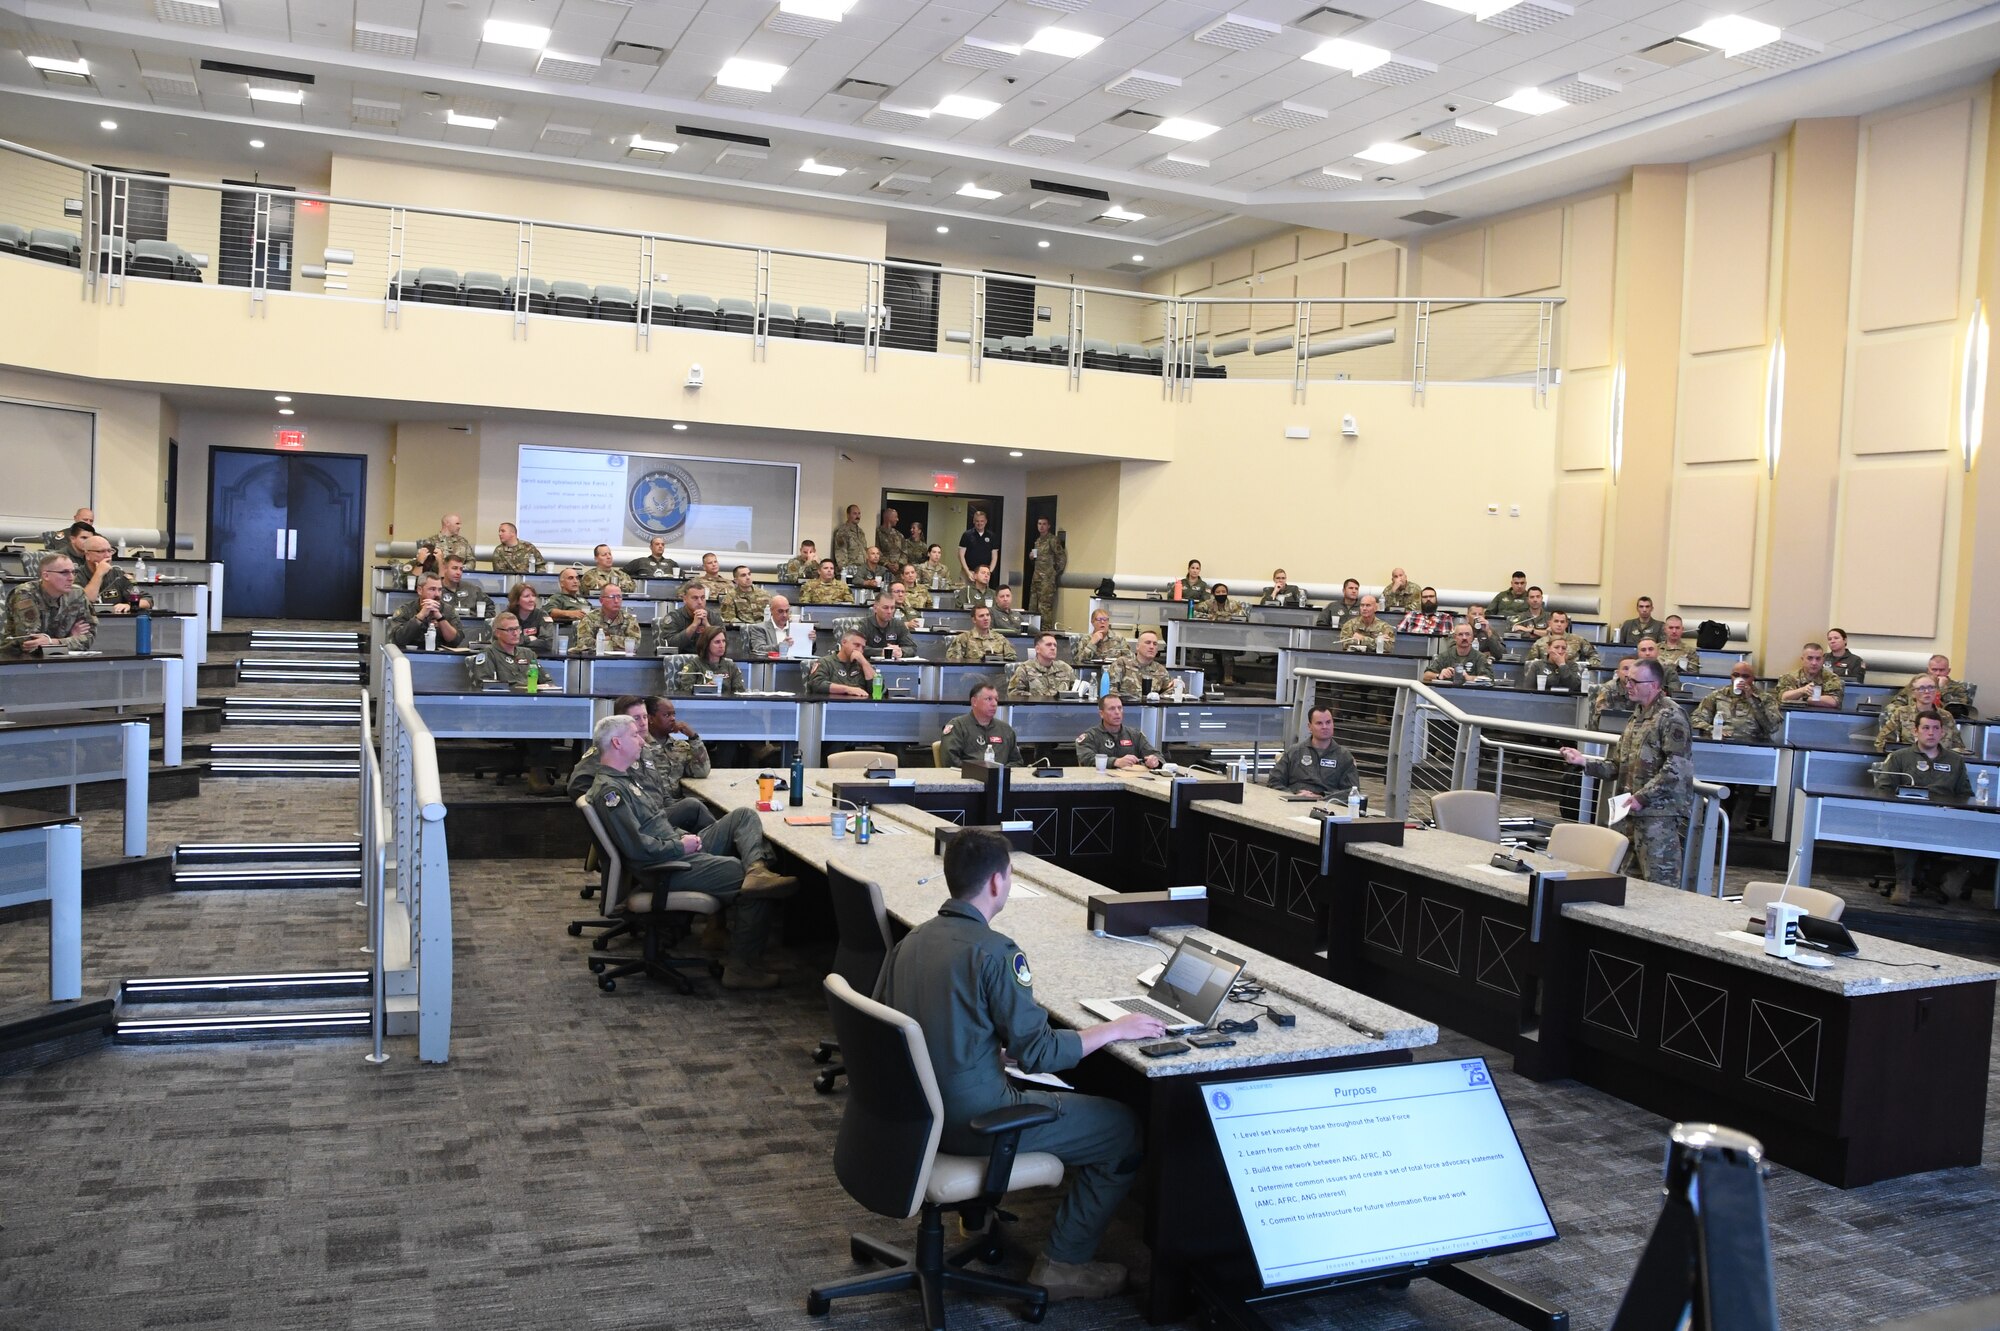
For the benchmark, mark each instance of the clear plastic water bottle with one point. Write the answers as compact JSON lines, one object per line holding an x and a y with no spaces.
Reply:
{"x":139,"y":570}
{"x":864,"y":827}
{"x":992,"y":754}
{"x":430,"y":637}
{"x":1982,"y":789}
{"x":1716,"y":728}
{"x":1354,"y":801}
{"x":603,"y":643}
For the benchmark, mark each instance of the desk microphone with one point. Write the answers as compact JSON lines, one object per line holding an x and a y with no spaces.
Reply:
{"x":925,"y":879}
{"x":1212,"y":771}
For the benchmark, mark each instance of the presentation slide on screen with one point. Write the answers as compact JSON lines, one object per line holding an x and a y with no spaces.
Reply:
{"x":1342,"y":1172}
{"x":581,"y":496}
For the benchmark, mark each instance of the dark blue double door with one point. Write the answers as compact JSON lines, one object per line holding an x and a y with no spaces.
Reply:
{"x":289,"y":528}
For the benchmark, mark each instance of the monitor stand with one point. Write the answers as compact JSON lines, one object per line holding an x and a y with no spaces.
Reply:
{"x":1230,"y":1308}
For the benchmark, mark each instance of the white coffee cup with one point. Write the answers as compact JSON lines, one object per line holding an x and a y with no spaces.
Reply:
{"x":1103,"y":763}
{"x":1541,"y":683}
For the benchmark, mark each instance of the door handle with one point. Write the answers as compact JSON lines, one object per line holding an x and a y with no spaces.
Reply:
{"x":292,"y":543}
{"x":280,"y":554}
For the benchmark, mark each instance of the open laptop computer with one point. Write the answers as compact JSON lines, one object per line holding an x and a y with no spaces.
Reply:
{"x":1188,"y":993}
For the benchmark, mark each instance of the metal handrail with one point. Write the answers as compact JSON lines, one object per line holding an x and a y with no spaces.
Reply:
{"x":372,"y":819}
{"x":423,"y":863}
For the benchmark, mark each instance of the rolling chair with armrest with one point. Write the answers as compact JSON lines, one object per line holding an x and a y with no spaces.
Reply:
{"x":650,"y":910}
{"x":887,"y":1159}
{"x":861,"y":923}
{"x":862,"y":758}
{"x":1473,"y":813}
{"x":1812,"y":900}
{"x":1588,"y":844}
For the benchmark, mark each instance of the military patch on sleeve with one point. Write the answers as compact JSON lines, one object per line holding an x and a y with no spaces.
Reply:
{"x":1083,"y":737}
{"x":1022,"y":975}
{"x":610,"y":799}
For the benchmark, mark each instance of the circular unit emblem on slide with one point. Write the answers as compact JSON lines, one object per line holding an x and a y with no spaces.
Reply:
{"x":660,"y":501}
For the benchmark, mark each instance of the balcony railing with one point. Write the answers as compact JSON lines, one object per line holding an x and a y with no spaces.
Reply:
{"x":116,"y":227}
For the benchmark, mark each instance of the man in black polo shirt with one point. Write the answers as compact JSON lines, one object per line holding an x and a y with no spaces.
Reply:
{"x":978,"y":548}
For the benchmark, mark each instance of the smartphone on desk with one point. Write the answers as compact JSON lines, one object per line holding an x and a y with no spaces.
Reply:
{"x":1163,"y":1048}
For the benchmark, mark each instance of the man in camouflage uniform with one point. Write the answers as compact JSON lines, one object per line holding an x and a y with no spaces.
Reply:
{"x":936,"y":574}
{"x":729,"y":860}
{"x":827,"y":588}
{"x":654,"y":563}
{"x":1899,"y":719}
{"x":1582,"y":651}
{"x":967,"y":738}
{"x":1556,"y":667}
{"x":745,"y":601}
{"x":1458,"y":660}
{"x":875,"y":572}
{"x":514,"y":555}
{"x":672,"y":753}
{"x":889,"y":539}
{"x":1649,"y":650}
{"x":567,"y":605}
{"x":1483,"y":635}
{"x":1051,"y":556}
{"x":1745,"y":711}
{"x":1399,"y":595}
{"x":110,"y":586}
{"x":916,"y":596}
{"x":719,"y":584}
{"x":978,"y":592}
{"x":619,"y":626}
{"x":676,"y":632}
{"x":412,"y":619}
{"x":850,"y":543}
{"x":1043,"y":676}
{"x":1654,"y":765}
{"x":1676,"y":651}
{"x":979,"y":642}
{"x":1615,"y":692}
{"x":1220,"y":608}
{"x":1101,"y":643}
{"x":51,"y":611}
{"x":606,"y":571}
{"x":1141,"y":672}
{"x":803,"y":569}
{"x":1367,"y":632}
{"x":1006,"y":618}
{"x":1642,"y":625}
{"x":1111,"y":738}
{"x":1810,"y":683}
{"x":1952,"y":694}
{"x":1505,"y":605}
{"x":469,"y":599}
{"x":448,"y":542}
{"x":845,"y":673}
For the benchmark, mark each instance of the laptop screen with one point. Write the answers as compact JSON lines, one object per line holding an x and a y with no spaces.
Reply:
{"x":1197,"y":979}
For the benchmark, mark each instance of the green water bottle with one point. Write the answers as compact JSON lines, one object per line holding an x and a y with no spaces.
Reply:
{"x":875,"y":687}
{"x":534,"y":678}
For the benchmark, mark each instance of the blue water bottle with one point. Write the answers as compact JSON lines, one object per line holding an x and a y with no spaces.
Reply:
{"x":142,"y":632}
{"x":798,"y":791}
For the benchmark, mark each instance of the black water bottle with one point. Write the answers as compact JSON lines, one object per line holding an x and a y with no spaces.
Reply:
{"x":798,"y":776}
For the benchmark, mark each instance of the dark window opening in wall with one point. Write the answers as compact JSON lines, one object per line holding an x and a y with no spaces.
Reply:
{"x":1010,"y":304}
{"x":912,"y":298}
{"x":239,"y":233}
{"x":145,"y":205}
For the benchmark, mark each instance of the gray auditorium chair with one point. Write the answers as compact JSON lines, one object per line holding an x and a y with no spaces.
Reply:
{"x":108,"y":248}
{"x":663,"y":313}
{"x":402,"y":285}
{"x":736,"y":315}
{"x":861,"y":924}
{"x":1137,"y":359}
{"x":850,"y":326}
{"x":698,"y":311}
{"x":155,"y":258}
{"x":816,"y":324}
{"x":1014,"y":348}
{"x":1099,"y":354}
{"x":439,"y":286}
{"x":1042,"y":350}
{"x":886,"y":1156}
{"x":780,"y":320}
{"x":538,"y":294}
{"x":618,"y":304}
{"x":53,"y":246}
{"x":13,"y":239}
{"x":1203,"y":367}
{"x":989,"y":347}
{"x":649,"y":908}
{"x":487,"y":291}
{"x":572,"y":299}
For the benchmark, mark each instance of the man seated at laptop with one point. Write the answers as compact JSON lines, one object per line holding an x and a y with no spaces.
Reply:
{"x":972,"y":991}
{"x":1316,"y":765}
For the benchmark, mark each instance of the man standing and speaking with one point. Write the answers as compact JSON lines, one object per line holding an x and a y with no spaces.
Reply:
{"x":1653,"y":761}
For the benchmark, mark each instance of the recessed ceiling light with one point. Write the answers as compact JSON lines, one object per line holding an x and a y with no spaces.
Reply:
{"x":1390,"y":154}
{"x":1733,"y":33}
{"x":944,"y":231}
{"x":1340,"y":53}
{"x":1061,"y":41}
{"x":256,"y":143}
{"x":969,"y":461}
{"x":1122,"y":214}
{"x":1015,"y":453}
{"x":826,"y":11}
{"x":1532,"y":102}
{"x":966,"y":108}
{"x":680,"y":425}
{"x":1041,"y":244}
{"x":528,"y":36}
{"x":1138,"y":258}
{"x":753,"y":75}
{"x":283,"y":397}
{"x":972,"y":191}
{"x":812,"y":168}
{"x":470,"y":122}
{"x":52,"y":65}
{"x":654,"y":145}
{"x":107,"y":124}
{"x":1187,"y":131}
{"x":286,"y":411}
{"x":282,"y":96}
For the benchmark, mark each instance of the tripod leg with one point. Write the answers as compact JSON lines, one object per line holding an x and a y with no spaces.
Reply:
{"x":1663,"y":1282}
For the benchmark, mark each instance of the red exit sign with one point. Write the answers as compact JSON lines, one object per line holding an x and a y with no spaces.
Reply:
{"x":292,"y":439}
{"x":944,"y":482}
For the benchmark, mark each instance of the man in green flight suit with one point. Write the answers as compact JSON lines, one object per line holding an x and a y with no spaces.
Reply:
{"x":1654,"y":763}
{"x":980,"y":731}
{"x":1927,"y":765}
{"x":972,"y":991}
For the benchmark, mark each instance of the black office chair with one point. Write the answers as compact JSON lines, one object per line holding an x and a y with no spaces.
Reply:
{"x":887,"y":1158}
{"x":862,"y":923}
{"x":657,"y":914}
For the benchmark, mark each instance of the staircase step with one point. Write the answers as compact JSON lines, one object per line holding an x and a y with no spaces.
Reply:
{"x":337,"y":984}
{"x":243,"y":1026}
{"x":300,"y":640}
{"x":283,"y":760}
{"x":204,"y":877}
{"x":254,"y":852}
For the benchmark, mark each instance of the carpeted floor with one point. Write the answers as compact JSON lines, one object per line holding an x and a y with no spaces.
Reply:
{"x":645,"y":1160}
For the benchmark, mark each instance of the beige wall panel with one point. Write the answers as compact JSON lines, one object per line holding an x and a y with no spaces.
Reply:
{"x":1372,"y":275}
{"x":1276,"y":287}
{"x":1192,"y":277}
{"x":1903,"y":401}
{"x":1453,"y":265}
{"x":1587,"y":314}
{"x":1233,"y":266}
{"x":1583,"y":406}
{"x":1722,"y":407}
{"x":1577,"y":559}
{"x":131,"y":453}
{"x":1328,"y":281}
{"x":1525,"y":253}
{"x":1891,"y":597}
{"x":1729,"y":255}
{"x":1913,"y":217}
{"x":1716,"y":542}
{"x":1315,"y":243}
{"x":1278,"y":252}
